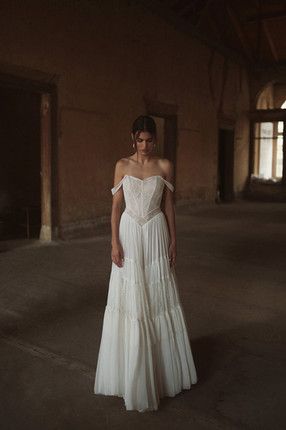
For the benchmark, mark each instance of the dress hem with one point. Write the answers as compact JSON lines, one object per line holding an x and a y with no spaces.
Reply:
{"x":146,"y":409}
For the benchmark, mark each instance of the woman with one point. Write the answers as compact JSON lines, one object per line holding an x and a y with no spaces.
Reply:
{"x":144,"y":352}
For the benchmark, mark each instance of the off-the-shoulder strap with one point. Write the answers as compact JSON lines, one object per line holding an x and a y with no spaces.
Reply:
{"x":116,"y":187}
{"x":169,"y":185}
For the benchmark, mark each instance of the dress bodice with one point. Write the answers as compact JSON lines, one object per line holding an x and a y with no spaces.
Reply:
{"x":142,"y":196}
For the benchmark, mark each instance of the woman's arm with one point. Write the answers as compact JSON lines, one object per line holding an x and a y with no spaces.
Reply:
{"x":117,"y":254}
{"x":169,"y":211}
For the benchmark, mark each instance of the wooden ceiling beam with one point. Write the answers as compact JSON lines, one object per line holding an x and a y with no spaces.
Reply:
{"x":182,"y":25}
{"x":239,"y":31}
{"x":190,"y":9}
{"x":267,"y":16}
{"x":270,"y":41}
{"x":180,"y":5}
{"x":214,"y":26}
{"x":185,"y":11}
{"x":259,"y":29}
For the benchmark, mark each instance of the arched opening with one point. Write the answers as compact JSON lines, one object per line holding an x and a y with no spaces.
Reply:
{"x":267,"y":169}
{"x":268,"y":124}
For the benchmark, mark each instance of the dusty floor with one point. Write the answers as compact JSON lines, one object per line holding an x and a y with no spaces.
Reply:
{"x":232,"y":275}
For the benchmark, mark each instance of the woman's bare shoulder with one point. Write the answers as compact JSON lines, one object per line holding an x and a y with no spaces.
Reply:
{"x":166,"y":165}
{"x":122,"y":164}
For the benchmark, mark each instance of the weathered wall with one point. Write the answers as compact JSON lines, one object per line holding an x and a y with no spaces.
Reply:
{"x":110,"y":56}
{"x":279,"y":95}
{"x":265,"y":99}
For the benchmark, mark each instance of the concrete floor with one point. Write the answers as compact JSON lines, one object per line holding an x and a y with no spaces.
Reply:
{"x":232,"y":272}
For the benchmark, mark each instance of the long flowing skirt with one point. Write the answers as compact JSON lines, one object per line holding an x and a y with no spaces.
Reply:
{"x":145,"y":352}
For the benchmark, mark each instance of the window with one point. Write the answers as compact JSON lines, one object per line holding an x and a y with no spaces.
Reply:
{"x":269,"y":149}
{"x":265,"y":149}
{"x":279,"y":166}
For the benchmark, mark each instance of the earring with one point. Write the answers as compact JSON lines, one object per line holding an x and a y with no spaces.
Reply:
{"x":133,"y":145}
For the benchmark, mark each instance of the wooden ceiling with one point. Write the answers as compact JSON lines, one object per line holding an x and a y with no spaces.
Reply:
{"x":254,"y":30}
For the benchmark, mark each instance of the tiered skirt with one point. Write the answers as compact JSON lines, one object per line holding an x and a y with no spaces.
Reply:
{"x":145,"y":352}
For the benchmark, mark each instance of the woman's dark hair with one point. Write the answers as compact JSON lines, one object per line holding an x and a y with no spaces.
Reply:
{"x":144,"y":123}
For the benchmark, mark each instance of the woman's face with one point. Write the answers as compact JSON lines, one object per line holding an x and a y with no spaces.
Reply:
{"x":144,"y":143}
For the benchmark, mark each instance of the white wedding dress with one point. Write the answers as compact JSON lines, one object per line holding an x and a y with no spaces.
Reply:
{"x":145,"y":352}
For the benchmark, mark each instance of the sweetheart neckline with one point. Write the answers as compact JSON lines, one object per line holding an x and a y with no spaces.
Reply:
{"x":144,"y":179}
{"x":116,"y":187}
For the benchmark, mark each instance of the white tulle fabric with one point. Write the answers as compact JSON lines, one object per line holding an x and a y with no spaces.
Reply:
{"x":145,"y":352}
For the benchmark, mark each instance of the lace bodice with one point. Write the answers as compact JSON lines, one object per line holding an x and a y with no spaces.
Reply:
{"x":142,"y":196}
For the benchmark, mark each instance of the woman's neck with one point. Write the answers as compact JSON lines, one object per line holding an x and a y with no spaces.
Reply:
{"x":142,"y":159}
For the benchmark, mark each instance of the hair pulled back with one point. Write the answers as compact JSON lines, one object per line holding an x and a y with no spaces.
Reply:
{"x":144,"y":123}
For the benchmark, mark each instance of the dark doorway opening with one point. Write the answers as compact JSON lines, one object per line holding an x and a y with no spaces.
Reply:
{"x":20,"y":163}
{"x":225,"y":165}
{"x":28,"y":162}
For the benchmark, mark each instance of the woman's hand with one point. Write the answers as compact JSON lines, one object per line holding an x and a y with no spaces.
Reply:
{"x":117,"y":254}
{"x":172,"y":254}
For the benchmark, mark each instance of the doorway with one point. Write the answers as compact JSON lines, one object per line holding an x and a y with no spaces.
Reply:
{"x":225,"y":165}
{"x":26,"y":159}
